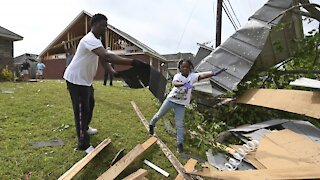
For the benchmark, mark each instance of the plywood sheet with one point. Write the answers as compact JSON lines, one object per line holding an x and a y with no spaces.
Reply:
{"x":300,"y":102}
{"x":301,"y":172}
{"x":302,"y":149}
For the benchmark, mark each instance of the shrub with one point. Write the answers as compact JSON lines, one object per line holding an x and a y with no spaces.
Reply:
{"x":6,"y":74}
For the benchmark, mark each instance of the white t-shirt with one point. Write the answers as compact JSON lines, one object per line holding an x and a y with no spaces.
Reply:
{"x":84,"y":64}
{"x":182,"y":95}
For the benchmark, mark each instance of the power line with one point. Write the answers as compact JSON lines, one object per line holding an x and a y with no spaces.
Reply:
{"x":234,"y":13}
{"x":184,"y":30}
{"x":225,"y":8}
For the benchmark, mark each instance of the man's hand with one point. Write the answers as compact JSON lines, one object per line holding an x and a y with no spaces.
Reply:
{"x":187,"y":85}
{"x":216,"y":72}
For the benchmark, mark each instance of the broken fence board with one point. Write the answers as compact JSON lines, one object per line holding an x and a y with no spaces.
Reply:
{"x":80,"y":164}
{"x":300,"y":102}
{"x":124,"y":162}
{"x":301,"y":172}
{"x":139,"y":174}
{"x":174,"y":161}
{"x":189,"y":167}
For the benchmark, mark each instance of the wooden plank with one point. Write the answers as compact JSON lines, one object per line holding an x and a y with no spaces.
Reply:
{"x":80,"y":164}
{"x":139,"y":174}
{"x":149,"y":142}
{"x":124,"y":162}
{"x":172,"y":158}
{"x":301,"y":172}
{"x":189,"y":167}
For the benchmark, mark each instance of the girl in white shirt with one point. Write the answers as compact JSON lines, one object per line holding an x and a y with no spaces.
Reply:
{"x":180,"y":96}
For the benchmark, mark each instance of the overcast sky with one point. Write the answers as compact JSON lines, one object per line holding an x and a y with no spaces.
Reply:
{"x":167,"y":26}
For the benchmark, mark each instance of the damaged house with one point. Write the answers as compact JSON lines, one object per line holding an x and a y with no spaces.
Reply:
{"x":54,"y":55}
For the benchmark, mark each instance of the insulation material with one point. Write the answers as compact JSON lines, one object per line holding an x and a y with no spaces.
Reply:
{"x":300,"y":102}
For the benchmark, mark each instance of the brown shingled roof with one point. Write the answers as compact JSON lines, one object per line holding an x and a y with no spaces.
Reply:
{"x":9,"y":34}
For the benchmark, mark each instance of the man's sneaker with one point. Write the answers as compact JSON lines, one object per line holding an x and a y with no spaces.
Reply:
{"x":89,"y":149}
{"x":180,"y":148}
{"x":92,"y":131}
{"x":151,"y":130}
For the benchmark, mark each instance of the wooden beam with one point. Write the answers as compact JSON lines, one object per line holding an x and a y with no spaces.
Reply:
{"x":137,"y":175}
{"x":299,"y":172}
{"x":80,"y":164}
{"x":189,"y":167}
{"x":71,"y":40}
{"x":124,"y":162}
{"x":172,"y":158}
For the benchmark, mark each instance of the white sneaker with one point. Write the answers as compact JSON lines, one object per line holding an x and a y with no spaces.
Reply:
{"x":92,"y":131}
{"x":89,"y":149}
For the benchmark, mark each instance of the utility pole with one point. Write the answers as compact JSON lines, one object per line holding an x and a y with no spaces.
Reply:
{"x":218,"y":22}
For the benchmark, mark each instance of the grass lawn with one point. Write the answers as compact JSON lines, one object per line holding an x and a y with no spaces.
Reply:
{"x":42,"y":111}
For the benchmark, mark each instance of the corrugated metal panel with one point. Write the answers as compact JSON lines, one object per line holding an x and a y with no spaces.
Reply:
{"x":203,"y":52}
{"x":255,"y":45}
{"x":261,"y":125}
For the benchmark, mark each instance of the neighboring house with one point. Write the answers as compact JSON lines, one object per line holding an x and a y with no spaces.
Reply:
{"x":32,"y":59}
{"x":203,"y":52}
{"x":173,"y":60}
{"x":6,"y":47}
{"x":54,"y":56}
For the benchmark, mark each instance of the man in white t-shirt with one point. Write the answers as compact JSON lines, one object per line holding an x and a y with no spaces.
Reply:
{"x":80,"y":73}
